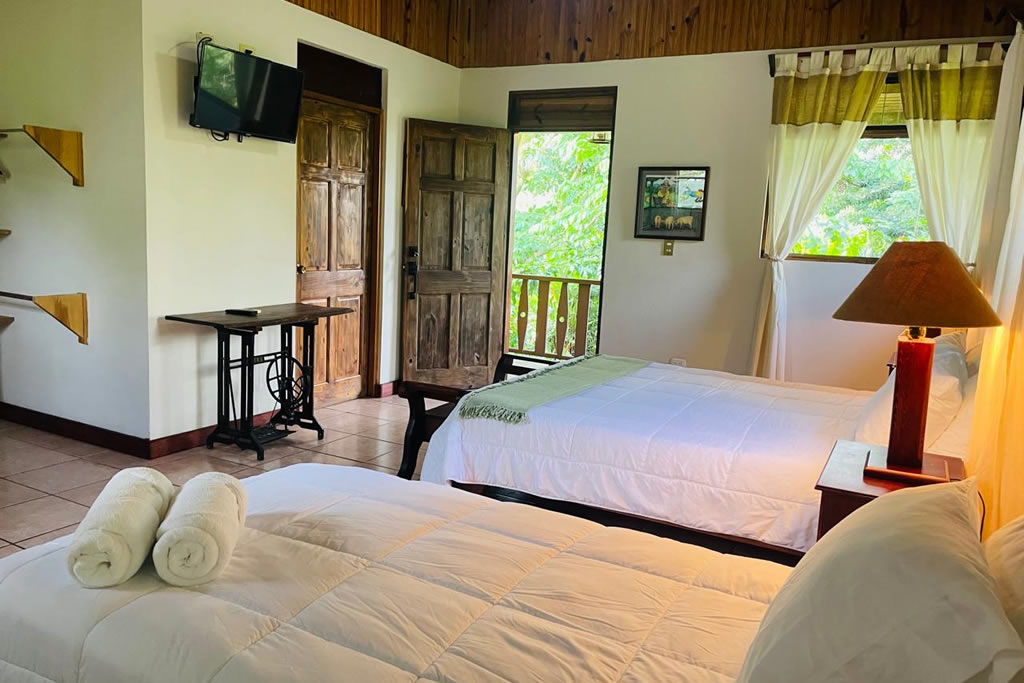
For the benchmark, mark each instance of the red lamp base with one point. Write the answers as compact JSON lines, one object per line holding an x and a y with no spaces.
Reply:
{"x":910,"y":402}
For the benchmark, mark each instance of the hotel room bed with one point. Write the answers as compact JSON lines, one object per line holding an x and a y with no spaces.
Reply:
{"x":706,"y":450}
{"x":348,"y":574}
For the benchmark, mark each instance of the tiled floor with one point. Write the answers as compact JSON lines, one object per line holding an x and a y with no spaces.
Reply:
{"x":47,"y":482}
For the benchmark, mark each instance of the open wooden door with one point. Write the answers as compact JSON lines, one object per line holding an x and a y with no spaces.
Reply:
{"x":456,"y":231}
{"x":338,"y":171}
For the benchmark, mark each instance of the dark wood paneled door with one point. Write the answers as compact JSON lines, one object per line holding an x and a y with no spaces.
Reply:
{"x":456,"y":231}
{"x":337,"y":173}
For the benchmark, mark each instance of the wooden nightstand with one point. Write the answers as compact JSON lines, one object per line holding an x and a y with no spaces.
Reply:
{"x":844,"y":488}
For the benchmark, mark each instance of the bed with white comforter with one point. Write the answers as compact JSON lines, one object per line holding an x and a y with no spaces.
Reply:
{"x":348,"y":574}
{"x":707,"y":450}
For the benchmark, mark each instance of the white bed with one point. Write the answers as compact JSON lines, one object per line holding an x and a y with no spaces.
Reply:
{"x":348,"y":574}
{"x":712,"y":451}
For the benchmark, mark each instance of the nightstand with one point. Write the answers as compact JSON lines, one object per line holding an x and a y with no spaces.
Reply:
{"x":844,"y":488}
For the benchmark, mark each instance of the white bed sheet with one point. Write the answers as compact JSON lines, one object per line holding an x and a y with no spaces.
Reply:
{"x":708,"y":450}
{"x":347,"y":574}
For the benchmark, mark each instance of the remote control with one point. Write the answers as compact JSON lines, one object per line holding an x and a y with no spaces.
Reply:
{"x":248,"y":312}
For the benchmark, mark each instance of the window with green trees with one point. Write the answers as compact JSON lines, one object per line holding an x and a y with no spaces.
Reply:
{"x":561,"y":195}
{"x":875,"y":202}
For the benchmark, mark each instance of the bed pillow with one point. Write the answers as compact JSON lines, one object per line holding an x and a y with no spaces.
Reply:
{"x":897,"y":591}
{"x":957,"y":437}
{"x":949,"y":373}
{"x":1005,"y":553}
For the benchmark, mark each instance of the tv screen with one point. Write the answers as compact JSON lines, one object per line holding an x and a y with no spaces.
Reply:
{"x":241,"y":93}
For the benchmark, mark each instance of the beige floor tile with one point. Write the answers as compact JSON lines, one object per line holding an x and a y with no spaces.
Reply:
{"x":30,"y":458}
{"x":393,"y":432}
{"x":47,"y":537}
{"x":79,"y":449}
{"x":349,"y":423}
{"x":305,"y":456}
{"x":5,"y":425}
{"x":9,"y":550}
{"x":373,"y":407}
{"x":12,"y":493}
{"x":272,"y":451}
{"x":307,"y":438}
{"x":247,"y":472}
{"x":359,"y":448}
{"x":180,"y":469}
{"x":41,"y":438}
{"x":64,"y":476}
{"x":391,"y":460}
{"x":119,"y":460}
{"x":84,"y":495}
{"x":40,"y":516}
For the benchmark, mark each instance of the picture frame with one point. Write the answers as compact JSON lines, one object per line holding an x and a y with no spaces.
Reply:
{"x":671,"y":202}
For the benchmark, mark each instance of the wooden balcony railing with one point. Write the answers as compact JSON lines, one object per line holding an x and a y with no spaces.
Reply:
{"x":552,"y":317}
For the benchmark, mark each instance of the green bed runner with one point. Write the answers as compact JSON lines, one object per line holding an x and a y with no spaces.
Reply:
{"x":510,"y":401}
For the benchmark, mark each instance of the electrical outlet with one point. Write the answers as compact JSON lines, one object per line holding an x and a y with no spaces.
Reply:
{"x":200,"y":36}
{"x":681,"y":362}
{"x":667,"y":247}
{"x":243,"y":47}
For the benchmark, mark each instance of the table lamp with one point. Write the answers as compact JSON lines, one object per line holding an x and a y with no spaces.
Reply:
{"x":918,"y":284}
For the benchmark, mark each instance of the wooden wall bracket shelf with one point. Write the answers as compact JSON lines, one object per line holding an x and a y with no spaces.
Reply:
{"x":63,"y":146}
{"x":70,"y":310}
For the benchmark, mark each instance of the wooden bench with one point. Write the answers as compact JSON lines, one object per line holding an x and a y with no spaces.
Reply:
{"x":423,"y":421}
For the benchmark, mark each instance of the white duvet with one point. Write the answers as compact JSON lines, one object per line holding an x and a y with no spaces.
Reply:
{"x":707,"y":450}
{"x":344,"y":574}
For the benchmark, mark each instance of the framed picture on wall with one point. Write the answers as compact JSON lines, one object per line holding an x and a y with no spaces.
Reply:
{"x":671,"y":202}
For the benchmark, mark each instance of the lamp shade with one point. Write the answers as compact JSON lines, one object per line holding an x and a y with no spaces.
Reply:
{"x":919,"y":284}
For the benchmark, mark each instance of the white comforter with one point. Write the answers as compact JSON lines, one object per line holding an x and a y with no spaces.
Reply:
{"x":723,"y":453}
{"x":349,"y":575}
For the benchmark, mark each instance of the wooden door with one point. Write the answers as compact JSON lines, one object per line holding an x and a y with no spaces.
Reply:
{"x":337,"y":172}
{"x":456,"y":231}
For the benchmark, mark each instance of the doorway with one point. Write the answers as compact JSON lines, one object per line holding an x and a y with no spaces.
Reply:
{"x":561,"y":177}
{"x":338,"y":221}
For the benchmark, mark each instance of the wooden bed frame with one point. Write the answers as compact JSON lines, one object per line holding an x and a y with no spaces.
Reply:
{"x":423,"y":422}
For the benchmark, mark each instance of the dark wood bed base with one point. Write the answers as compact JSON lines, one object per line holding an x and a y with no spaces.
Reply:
{"x":423,"y":422}
{"x":733,"y":545}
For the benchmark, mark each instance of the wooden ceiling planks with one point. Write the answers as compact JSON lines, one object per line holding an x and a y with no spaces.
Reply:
{"x":475,"y":33}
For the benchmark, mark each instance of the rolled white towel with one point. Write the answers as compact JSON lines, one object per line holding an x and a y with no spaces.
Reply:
{"x":196,"y":539}
{"x":116,"y":535}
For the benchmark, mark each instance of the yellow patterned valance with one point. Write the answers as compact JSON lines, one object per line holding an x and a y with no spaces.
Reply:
{"x":828,"y":87}
{"x":957,"y":88}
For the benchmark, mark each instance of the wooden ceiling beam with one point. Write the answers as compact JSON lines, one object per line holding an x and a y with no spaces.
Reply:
{"x":477,"y":33}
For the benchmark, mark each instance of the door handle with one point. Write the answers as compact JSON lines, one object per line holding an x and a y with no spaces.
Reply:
{"x":300,"y":269}
{"x":412,"y":268}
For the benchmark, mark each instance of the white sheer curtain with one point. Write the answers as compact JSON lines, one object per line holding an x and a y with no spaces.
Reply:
{"x":820,"y":110}
{"x":996,"y":453}
{"x":950,"y":108}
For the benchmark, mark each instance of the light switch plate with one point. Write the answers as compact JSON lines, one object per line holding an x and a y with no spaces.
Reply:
{"x":681,"y":362}
{"x":667,"y":247}
{"x":200,"y":35}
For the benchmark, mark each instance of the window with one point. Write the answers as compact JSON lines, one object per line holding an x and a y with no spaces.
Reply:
{"x":876,"y":200}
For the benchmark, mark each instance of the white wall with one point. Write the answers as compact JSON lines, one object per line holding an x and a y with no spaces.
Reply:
{"x":75,"y":65}
{"x":699,"y":304}
{"x":221,"y":216}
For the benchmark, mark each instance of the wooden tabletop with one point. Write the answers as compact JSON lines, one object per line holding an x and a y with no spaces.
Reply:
{"x":278,"y":314}
{"x":844,"y":470}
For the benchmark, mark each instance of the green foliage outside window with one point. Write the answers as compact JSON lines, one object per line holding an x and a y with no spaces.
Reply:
{"x":874,"y":203}
{"x":561,"y":194}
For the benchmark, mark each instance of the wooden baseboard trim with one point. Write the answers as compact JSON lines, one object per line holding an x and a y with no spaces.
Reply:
{"x":384,"y":390}
{"x":107,"y":438}
{"x":183,"y":441}
{"x":80,"y":431}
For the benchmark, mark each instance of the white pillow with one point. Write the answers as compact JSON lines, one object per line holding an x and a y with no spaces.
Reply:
{"x":949,"y":372}
{"x":957,"y":437}
{"x":897,"y":591}
{"x":1005,"y":553}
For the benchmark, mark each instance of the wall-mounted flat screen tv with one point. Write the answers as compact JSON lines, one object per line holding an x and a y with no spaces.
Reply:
{"x":247,"y":95}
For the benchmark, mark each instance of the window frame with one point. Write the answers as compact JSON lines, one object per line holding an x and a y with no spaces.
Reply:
{"x":870,"y":133}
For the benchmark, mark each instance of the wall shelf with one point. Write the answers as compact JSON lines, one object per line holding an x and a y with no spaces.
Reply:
{"x":5,"y":233}
{"x":5,"y":320}
{"x":63,"y":146}
{"x":70,"y":310}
